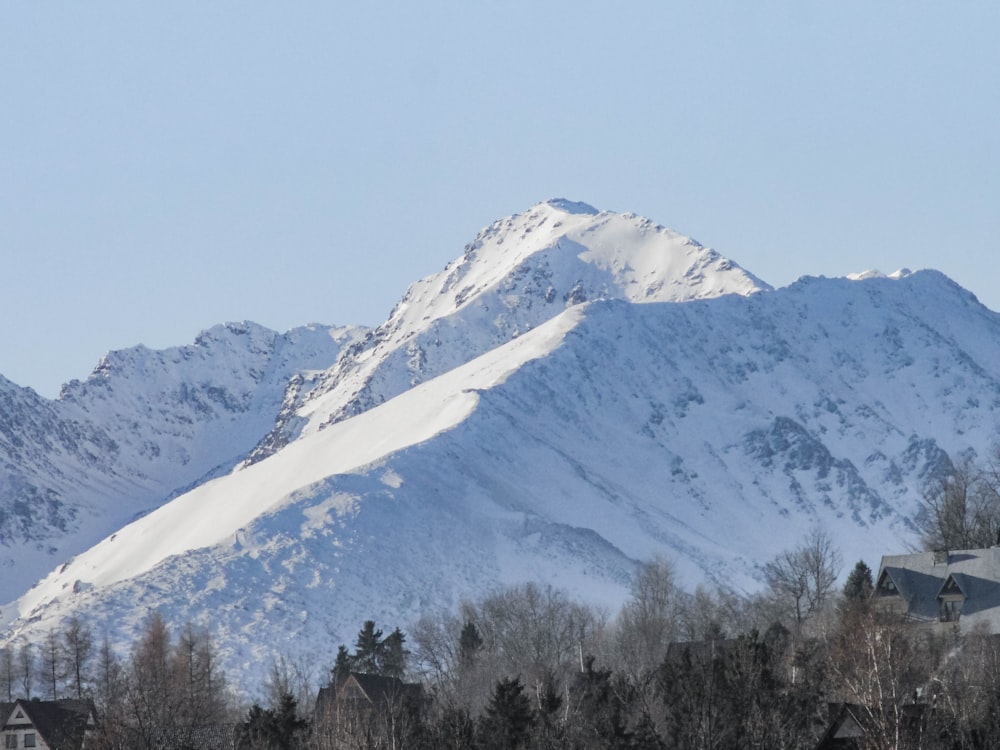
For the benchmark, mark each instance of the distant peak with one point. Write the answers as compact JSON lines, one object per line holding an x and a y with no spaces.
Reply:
{"x":572,"y":207}
{"x":222,"y":331}
{"x":902,"y":273}
{"x":871,"y":273}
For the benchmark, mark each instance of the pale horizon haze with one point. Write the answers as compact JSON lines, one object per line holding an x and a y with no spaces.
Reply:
{"x":168,"y":167}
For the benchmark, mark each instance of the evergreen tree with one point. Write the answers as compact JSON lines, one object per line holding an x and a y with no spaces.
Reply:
{"x":598,"y":710}
{"x":341,"y":667}
{"x":859,"y":584}
{"x":550,"y":731}
{"x":469,"y":644}
{"x":368,"y":649}
{"x":277,"y":728}
{"x":507,"y":721}
{"x":693,"y":688}
{"x":373,"y":654}
{"x":393,"y":655}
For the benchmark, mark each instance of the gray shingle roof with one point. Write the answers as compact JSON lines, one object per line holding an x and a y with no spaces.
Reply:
{"x":921,"y":578}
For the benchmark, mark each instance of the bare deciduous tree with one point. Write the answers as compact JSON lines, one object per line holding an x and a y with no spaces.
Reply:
{"x":26,"y":668}
{"x":647,"y":624}
{"x":51,"y":663}
{"x":78,"y":649}
{"x":803,"y":578}
{"x":8,"y":672}
{"x":880,"y":666}
{"x":961,"y":510}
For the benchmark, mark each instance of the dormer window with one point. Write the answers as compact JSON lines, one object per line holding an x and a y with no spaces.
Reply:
{"x":886,"y":586}
{"x":950,"y":609}
{"x":950,"y":601}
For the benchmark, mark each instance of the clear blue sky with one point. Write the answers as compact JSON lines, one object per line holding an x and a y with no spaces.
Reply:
{"x":168,"y":166}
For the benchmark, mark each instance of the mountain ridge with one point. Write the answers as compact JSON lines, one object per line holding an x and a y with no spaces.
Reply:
{"x":143,"y":427}
{"x":716,"y":431}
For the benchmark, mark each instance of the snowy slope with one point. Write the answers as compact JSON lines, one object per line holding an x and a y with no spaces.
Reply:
{"x":144,"y":426}
{"x":715,"y":431}
{"x":516,"y":274}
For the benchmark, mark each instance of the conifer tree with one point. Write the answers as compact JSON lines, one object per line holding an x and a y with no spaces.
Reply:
{"x":341,"y":667}
{"x":507,"y":722}
{"x":393,"y":655}
{"x":859,"y":585}
{"x":469,"y":644}
{"x":598,"y":710}
{"x":368,"y":649}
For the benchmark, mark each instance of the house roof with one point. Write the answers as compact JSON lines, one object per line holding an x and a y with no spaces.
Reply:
{"x":848,"y":725}
{"x":700,"y":651}
{"x":202,"y":736}
{"x":62,"y":724}
{"x":376,"y":688}
{"x":379,"y":689}
{"x":921,"y":578}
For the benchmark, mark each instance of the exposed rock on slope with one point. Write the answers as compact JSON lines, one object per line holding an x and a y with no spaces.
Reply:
{"x":517,"y":273}
{"x":144,"y":426}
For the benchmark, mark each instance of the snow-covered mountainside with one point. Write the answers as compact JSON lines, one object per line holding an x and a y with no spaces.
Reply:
{"x":715,"y":431}
{"x":144,"y":426}
{"x":518,"y":273}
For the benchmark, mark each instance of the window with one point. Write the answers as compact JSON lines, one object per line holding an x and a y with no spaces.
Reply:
{"x":10,"y":741}
{"x":951,"y":609}
{"x":29,"y":739}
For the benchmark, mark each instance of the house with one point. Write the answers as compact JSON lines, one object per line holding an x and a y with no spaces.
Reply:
{"x":366,"y":692}
{"x":854,"y":727}
{"x":960,"y":588}
{"x":48,"y":725}
{"x":848,"y":726}
{"x":364,"y":709}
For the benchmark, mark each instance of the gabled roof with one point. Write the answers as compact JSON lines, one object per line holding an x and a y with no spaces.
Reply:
{"x":953,"y":585}
{"x":376,"y":689}
{"x":848,"y":725}
{"x":379,"y":689}
{"x":62,"y":724}
{"x":922,"y":578}
{"x":851,"y":726}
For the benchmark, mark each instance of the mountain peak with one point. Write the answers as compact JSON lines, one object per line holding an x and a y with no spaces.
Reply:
{"x":874,"y":273}
{"x":516,"y":274}
{"x":571,"y":207}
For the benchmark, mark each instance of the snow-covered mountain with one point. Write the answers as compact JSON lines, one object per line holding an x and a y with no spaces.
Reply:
{"x":144,"y":426}
{"x":517,"y":273}
{"x":560,"y":437}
